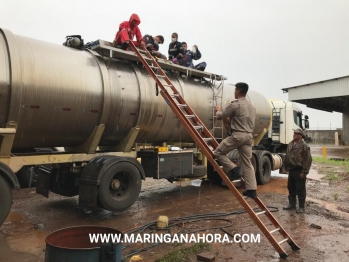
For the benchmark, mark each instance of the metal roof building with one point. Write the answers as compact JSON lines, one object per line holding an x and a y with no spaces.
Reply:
{"x":328,"y":95}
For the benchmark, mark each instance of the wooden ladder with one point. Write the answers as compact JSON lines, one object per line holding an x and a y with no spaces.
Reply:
{"x":203,"y":138}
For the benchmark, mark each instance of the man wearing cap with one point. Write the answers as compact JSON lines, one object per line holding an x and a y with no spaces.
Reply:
{"x":298,"y":161}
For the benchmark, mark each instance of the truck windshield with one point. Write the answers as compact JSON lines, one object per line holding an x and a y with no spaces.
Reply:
{"x":297,"y":116}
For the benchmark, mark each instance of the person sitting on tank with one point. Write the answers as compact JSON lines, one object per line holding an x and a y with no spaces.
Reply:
{"x":190,"y":55}
{"x":127,"y":31}
{"x":175,"y":50}
{"x":152,"y":44}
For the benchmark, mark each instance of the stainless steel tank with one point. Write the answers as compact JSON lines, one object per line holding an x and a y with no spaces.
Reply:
{"x":57,"y":95}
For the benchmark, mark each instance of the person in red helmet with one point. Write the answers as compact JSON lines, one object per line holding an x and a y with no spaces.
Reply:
{"x":127,"y":30}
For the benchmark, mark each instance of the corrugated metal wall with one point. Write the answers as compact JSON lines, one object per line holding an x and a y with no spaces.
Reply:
{"x":328,"y":88}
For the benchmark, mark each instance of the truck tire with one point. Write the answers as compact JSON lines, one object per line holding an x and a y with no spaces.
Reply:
{"x":119,"y":186}
{"x":264,"y":174}
{"x":5,"y":199}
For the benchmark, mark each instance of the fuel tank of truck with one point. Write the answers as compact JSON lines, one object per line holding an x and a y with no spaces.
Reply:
{"x":57,"y":95}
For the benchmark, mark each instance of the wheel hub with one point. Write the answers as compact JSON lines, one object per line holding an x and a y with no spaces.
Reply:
{"x":115,"y":184}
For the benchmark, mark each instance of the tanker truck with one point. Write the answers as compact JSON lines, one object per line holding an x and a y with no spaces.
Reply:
{"x":89,"y":123}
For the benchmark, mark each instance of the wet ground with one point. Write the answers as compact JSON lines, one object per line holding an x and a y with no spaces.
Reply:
{"x":331,"y":151}
{"x":33,"y":217}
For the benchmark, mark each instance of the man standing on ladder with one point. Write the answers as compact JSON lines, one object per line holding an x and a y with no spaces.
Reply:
{"x":242,"y":116}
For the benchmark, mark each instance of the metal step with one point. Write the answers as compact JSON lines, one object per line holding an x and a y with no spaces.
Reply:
{"x":261,"y":213}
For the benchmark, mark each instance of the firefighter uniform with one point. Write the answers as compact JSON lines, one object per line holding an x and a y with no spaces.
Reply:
{"x":297,"y":160}
{"x":176,"y":51}
{"x":187,"y":61}
{"x":242,"y":116}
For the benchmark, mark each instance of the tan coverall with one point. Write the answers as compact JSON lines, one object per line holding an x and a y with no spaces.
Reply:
{"x":242,"y":120}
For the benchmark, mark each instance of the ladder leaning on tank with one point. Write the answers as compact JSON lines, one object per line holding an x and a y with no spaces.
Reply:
{"x":203,"y":139}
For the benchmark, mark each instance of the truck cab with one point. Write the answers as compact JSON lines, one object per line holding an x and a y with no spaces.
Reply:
{"x":286,"y":116}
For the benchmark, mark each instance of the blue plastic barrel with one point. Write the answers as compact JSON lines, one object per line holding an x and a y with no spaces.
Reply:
{"x":73,"y":245}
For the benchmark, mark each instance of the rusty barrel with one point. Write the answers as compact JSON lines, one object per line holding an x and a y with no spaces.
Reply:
{"x":75,"y":244}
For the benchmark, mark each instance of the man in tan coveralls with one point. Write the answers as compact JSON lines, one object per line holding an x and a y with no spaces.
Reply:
{"x":298,"y":160}
{"x":242,"y":116}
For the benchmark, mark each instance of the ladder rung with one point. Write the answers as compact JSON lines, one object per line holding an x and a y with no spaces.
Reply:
{"x":189,"y":116}
{"x":155,"y":67}
{"x":275,"y":230}
{"x":283,"y":241}
{"x":174,"y":95}
{"x":182,"y":105}
{"x":206,"y":139}
{"x":160,"y":76}
{"x":198,"y":127}
{"x":169,"y":86}
{"x":261,"y":213}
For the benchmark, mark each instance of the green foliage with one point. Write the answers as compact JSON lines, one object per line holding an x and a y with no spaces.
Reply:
{"x":317,"y":159}
{"x":335,"y":196}
{"x":333,"y":177}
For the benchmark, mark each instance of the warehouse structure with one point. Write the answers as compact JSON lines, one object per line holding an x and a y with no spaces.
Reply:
{"x":329,"y":95}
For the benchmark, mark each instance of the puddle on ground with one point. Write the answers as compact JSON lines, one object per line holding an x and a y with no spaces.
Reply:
{"x":276,"y":185}
{"x":341,"y":152}
{"x":276,"y":173}
{"x":14,"y":217}
{"x":21,"y":235}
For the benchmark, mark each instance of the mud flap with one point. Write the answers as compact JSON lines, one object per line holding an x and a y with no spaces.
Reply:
{"x":88,"y":196}
{"x":43,"y":182}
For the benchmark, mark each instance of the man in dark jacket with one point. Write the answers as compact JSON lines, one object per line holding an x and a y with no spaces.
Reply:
{"x":152,"y":45}
{"x":187,"y":61}
{"x":127,"y":30}
{"x":175,"y":50}
{"x":298,"y":161}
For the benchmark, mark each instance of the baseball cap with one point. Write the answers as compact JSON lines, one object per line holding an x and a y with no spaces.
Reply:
{"x":299,"y":131}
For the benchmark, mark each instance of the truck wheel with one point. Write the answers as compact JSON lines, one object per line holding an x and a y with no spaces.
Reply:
{"x":5,"y":199}
{"x":23,"y":176}
{"x":264,"y":174}
{"x":119,"y":186}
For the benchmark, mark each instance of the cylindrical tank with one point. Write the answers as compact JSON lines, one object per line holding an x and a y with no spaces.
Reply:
{"x":83,"y":243}
{"x":57,"y":95}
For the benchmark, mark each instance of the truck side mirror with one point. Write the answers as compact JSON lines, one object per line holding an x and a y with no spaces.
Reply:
{"x":306,"y":123}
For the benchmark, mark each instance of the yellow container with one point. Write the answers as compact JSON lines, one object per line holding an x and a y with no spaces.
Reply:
{"x":162,"y":149}
{"x":162,"y":221}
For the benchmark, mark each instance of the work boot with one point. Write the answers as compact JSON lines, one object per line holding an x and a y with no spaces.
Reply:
{"x":301,"y":206}
{"x":250,"y":193}
{"x":234,"y":174}
{"x":124,"y":45}
{"x":292,"y":203}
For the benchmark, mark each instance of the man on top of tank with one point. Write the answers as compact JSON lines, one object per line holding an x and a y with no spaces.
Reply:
{"x":127,"y":31}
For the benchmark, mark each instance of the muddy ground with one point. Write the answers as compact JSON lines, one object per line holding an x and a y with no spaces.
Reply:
{"x":33,"y":217}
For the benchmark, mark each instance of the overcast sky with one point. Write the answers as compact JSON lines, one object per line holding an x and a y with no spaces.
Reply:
{"x":270,"y":44}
